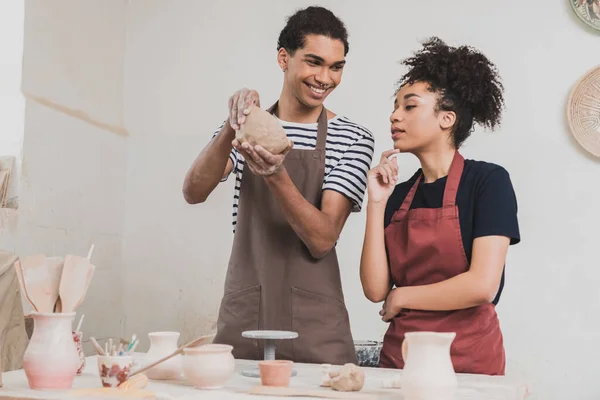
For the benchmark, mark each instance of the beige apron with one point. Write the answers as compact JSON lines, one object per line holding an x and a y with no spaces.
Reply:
{"x":273,"y":283}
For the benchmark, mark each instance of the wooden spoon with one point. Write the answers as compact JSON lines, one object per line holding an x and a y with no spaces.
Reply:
{"x":35,"y":277}
{"x":76,"y":277}
{"x":193,"y":343}
{"x":19,"y":271}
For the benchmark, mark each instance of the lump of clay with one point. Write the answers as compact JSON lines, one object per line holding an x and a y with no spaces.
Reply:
{"x":261,"y":128}
{"x":350,"y":378}
{"x":325,"y":378}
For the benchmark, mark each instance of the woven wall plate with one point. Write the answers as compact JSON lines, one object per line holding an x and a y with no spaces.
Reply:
{"x":584,"y":111}
{"x":588,"y":11}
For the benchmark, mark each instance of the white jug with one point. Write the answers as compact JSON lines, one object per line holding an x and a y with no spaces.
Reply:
{"x":428,"y":371}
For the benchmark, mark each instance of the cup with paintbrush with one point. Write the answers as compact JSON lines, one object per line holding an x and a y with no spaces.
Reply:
{"x":114,"y":362}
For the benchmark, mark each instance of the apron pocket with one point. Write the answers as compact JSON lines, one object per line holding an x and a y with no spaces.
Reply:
{"x":239,"y":312}
{"x":323,"y":329}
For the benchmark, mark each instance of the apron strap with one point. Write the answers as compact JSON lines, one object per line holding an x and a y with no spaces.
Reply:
{"x":450,"y":191}
{"x":271,"y":110}
{"x":408,"y":199}
{"x":322,"y":130}
{"x":454,"y":175}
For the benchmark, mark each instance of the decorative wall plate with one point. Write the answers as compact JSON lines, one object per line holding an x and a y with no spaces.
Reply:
{"x":588,"y":11}
{"x":584,"y":111}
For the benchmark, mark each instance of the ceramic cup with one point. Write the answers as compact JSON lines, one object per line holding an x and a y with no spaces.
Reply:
{"x":77,"y":339}
{"x":114,"y":370}
{"x":275,"y":372}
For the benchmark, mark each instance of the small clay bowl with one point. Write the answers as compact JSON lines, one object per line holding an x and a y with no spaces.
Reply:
{"x":275,"y":372}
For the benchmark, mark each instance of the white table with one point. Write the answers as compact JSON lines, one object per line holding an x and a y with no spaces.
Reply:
{"x":471,"y":387}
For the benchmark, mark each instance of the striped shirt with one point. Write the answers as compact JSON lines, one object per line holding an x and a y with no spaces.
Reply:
{"x":348,"y":155}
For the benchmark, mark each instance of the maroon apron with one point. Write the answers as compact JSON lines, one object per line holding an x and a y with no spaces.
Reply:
{"x":273,"y":282}
{"x":425,"y":246}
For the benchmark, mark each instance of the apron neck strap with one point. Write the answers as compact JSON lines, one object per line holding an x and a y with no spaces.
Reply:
{"x":321,"y":126}
{"x":450,"y":191}
{"x":454,"y":175}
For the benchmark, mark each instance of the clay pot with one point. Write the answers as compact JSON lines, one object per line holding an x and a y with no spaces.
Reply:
{"x":208,"y":366}
{"x":114,"y":370}
{"x":162,"y":344}
{"x":428,"y":372}
{"x":275,"y":372}
{"x":51,"y":360}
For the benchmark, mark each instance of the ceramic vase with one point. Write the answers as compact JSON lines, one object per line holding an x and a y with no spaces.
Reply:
{"x":51,"y":360}
{"x":161,"y":345}
{"x":428,"y":371}
{"x":208,"y":366}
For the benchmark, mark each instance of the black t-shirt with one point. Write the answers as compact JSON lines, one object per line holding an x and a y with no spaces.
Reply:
{"x":486,"y":201}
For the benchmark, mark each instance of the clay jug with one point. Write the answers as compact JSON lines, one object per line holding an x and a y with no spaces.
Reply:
{"x":161,"y":345}
{"x":51,"y":359}
{"x":428,"y":371}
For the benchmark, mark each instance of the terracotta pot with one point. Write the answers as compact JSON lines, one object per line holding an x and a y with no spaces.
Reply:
{"x":114,"y":370}
{"x":428,"y":372}
{"x":51,"y":360}
{"x":208,"y":366}
{"x":162,"y":344}
{"x":275,"y":372}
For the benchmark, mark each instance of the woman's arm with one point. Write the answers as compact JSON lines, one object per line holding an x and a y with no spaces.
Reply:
{"x":478,"y":285}
{"x":495,"y":227}
{"x":374,"y":269}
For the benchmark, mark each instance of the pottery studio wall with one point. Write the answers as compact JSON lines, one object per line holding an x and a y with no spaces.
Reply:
{"x":12,"y":103}
{"x":72,"y":187}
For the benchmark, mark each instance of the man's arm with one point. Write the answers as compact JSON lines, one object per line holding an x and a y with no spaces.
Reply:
{"x":209,"y":167}
{"x":213,"y":163}
{"x":318,"y":229}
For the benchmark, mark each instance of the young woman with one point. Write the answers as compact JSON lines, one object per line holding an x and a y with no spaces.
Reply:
{"x":435,"y":245}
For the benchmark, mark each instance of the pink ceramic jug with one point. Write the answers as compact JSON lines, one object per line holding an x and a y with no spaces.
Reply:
{"x":51,"y":359}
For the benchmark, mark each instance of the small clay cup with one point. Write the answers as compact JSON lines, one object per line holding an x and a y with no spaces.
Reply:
{"x":114,"y":370}
{"x":275,"y":372}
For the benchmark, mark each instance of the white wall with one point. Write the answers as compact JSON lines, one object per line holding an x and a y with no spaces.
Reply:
{"x":73,"y":177}
{"x":12,"y":103}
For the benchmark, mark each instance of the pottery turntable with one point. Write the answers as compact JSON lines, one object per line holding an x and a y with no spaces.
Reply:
{"x":269,"y":338}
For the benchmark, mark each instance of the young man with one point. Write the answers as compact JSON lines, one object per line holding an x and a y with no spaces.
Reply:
{"x":289,"y":209}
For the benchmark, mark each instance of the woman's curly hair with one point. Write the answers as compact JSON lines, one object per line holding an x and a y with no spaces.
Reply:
{"x":466,"y":81}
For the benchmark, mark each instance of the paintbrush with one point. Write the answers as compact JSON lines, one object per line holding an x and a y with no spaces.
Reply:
{"x":133,"y":347}
{"x":97,"y":346}
{"x":79,"y":324}
{"x":193,"y":343}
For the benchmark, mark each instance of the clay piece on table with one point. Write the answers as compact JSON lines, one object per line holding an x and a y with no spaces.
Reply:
{"x":261,"y":128}
{"x":325,"y":378}
{"x":349,"y":378}
{"x":392,"y":383}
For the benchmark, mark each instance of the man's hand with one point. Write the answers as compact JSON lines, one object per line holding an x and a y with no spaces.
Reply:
{"x":392,"y":305}
{"x":260,"y":161}
{"x":239,"y":106}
